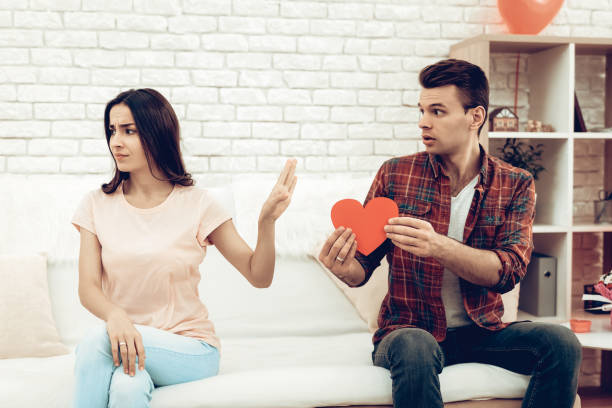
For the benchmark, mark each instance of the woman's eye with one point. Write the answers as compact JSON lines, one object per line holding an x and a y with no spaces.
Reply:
{"x":437,"y":112}
{"x":112,"y":131}
{"x":130,"y":131}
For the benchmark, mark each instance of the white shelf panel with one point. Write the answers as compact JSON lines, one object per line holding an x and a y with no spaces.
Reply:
{"x":592,"y":228}
{"x":547,"y":228}
{"x":593,"y":135}
{"x":528,"y":135}
{"x":600,"y":336}
{"x":521,"y":315}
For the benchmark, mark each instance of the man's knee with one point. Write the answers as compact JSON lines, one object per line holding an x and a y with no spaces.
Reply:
{"x":566,"y":345}
{"x":414,"y":348}
{"x":560,"y":343}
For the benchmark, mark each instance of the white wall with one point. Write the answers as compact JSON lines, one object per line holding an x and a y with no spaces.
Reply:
{"x":253,"y":81}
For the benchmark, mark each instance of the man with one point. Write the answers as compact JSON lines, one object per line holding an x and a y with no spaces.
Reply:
{"x":463,"y":237}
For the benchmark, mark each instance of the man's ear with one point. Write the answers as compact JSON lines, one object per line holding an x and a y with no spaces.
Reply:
{"x":478,"y":116}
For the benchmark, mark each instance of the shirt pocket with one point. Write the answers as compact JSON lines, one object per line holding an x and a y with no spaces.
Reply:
{"x":413,"y":208}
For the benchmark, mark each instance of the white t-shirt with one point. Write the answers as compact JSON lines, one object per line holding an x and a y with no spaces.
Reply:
{"x":456,"y":316}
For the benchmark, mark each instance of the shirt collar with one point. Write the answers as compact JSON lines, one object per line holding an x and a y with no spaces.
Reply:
{"x":436,"y":164}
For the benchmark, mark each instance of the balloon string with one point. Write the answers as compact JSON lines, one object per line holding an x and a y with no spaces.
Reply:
{"x":516,"y":81}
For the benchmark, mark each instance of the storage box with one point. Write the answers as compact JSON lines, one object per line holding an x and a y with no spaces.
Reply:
{"x":539,"y":287}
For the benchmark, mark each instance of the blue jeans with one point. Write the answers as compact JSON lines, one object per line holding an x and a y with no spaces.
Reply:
{"x":170,"y":359}
{"x":550,"y":353}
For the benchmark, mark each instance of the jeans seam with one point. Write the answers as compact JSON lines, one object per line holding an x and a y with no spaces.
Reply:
{"x":535,"y":374}
{"x":182,"y":353}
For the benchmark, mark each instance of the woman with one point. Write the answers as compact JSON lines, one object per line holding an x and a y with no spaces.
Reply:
{"x":143,"y":236}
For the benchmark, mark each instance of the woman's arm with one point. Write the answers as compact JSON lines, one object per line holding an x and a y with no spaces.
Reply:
{"x":258,"y":266}
{"x":118,"y":325}
{"x":90,"y":278}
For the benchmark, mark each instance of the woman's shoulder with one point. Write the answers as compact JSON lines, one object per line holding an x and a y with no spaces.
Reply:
{"x":189,"y":191}
{"x":205,"y":196}
{"x":97,"y":195}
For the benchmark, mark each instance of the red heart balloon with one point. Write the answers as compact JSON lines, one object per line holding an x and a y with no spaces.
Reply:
{"x":367,"y":223}
{"x":528,"y":16}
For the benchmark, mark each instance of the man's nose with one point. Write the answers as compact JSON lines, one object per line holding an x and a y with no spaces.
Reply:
{"x":424,"y":121}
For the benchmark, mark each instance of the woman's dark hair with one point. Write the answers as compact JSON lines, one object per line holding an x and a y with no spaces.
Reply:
{"x":158,"y":129}
{"x":469,"y":79}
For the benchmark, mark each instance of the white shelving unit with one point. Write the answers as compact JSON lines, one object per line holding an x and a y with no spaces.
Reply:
{"x":551,"y":81}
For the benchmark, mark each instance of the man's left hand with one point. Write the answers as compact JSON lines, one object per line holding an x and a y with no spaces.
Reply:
{"x":413,"y":235}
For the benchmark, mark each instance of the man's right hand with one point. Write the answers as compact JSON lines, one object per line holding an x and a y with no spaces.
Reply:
{"x":338,"y":253}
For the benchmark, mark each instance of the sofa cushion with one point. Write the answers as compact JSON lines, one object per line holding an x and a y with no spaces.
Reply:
{"x":275,"y":372}
{"x":300,"y":302}
{"x":27,"y":328}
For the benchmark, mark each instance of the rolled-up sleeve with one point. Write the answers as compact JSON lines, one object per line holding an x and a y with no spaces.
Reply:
{"x":514,"y":240}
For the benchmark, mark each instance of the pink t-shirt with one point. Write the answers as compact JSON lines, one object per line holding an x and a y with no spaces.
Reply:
{"x":150,"y":257}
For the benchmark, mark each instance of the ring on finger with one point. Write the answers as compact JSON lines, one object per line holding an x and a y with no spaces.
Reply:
{"x":339,"y":259}
{"x":122,"y":343}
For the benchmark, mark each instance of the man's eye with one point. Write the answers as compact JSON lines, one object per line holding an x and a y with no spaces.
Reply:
{"x":437,"y":112}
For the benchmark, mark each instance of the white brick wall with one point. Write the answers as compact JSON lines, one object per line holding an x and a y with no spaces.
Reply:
{"x":251,"y":80}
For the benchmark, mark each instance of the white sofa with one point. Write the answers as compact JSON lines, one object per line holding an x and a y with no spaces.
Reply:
{"x":299,"y":343}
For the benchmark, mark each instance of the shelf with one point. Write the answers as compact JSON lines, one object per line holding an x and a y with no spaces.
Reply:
{"x":600,"y":322}
{"x":593,"y":135}
{"x":552,"y":76}
{"x":592,"y":228}
{"x":528,"y":135}
{"x":601,"y":331}
{"x":513,"y":43}
{"x":547,"y":228}
{"x":521,"y":315}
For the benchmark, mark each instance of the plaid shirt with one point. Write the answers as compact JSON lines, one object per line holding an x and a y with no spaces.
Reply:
{"x":500,"y":219}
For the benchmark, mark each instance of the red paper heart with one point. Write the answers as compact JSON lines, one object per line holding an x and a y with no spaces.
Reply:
{"x":367,"y":223}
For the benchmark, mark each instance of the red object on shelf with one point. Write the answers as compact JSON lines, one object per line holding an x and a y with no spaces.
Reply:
{"x":528,"y":16}
{"x":580,"y":326}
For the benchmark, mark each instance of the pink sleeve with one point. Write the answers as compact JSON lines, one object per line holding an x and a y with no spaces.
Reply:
{"x":83,"y":216}
{"x":212,"y":214}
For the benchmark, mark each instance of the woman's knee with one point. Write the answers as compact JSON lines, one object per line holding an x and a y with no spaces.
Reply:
{"x":128,"y":391}
{"x":94,"y":345}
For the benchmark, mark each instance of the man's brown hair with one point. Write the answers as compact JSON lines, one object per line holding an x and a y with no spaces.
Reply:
{"x":470,"y":80}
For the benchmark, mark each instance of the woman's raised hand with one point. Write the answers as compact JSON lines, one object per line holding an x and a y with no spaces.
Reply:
{"x":280,"y":197}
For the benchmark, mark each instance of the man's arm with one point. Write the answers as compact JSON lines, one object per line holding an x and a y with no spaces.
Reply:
{"x":478,"y":266}
{"x":499,"y":268}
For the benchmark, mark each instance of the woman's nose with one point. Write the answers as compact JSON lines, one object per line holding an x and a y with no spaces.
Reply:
{"x":115,"y":140}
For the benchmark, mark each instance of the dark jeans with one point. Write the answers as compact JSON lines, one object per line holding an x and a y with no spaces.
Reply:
{"x":550,"y":353}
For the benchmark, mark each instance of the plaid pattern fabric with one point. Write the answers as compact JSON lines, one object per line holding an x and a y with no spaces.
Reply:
{"x":500,"y":219}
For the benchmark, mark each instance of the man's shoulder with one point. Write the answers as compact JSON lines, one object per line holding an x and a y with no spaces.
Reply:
{"x":505,"y":170}
{"x":415,"y":159}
